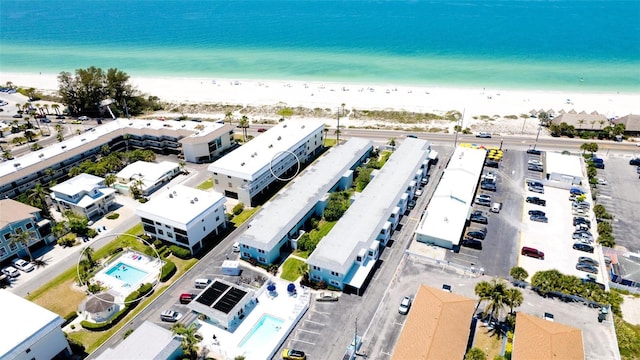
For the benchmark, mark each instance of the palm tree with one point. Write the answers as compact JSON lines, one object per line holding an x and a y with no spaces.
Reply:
{"x":518,"y":273}
{"x":513,"y":298}
{"x":7,"y":154}
{"x":483,"y":291}
{"x":88,"y":253}
{"x":23,"y":237}
{"x":326,"y":130}
{"x":126,"y":139}
{"x":19,"y":106}
{"x":104,"y":149}
{"x":228,"y":116}
{"x":497,"y":300}
{"x":46,"y":109}
{"x":37,"y":196}
{"x":244,"y":124}
{"x":29,"y":135}
{"x":581,"y":122}
{"x":110,"y":179}
{"x":56,"y":108}
{"x":190,"y":338}
{"x":601,"y":122}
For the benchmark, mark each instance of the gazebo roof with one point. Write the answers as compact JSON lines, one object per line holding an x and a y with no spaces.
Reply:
{"x":99,"y":302}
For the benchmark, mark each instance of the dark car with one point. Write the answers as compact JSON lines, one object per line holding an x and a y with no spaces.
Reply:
{"x":576,"y":191}
{"x":536,"y":201}
{"x":534,"y":167}
{"x":535,"y":183}
{"x":587,"y":268}
{"x":583,"y":247}
{"x":261,"y":130}
{"x":577,"y":220}
{"x":479,"y":217}
{"x":17,"y":116}
{"x":492,"y":164}
{"x":411,"y":204}
{"x":488,"y":185}
{"x":45,"y":120}
{"x":472,"y":243}
{"x":539,"y":218}
{"x":588,"y":260}
{"x":537,"y":213}
{"x":186,"y":298}
{"x":634,"y":161}
{"x":60,"y":117}
{"x":477,"y":234}
{"x":598,"y":165}
{"x":483,"y":202}
{"x":534,"y":152}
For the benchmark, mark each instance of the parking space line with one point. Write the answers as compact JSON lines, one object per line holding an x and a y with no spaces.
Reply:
{"x":397,"y":323}
{"x":315,"y":322}
{"x":385,"y":353}
{"x":321,"y":312}
{"x":302,"y":341}
{"x":309,"y":331}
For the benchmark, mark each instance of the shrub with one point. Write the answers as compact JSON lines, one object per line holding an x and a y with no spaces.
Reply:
{"x":69,"y":318}
{"x":113,"y":216}
{"x":94,"y":288}
{"x":180,"y":252}
{"x":238,"y":208}
{"x":165,"y":252}
{"x":91,"y":232}
{"x":167,"y":271}
{"x":157,"y":243}
{"x":144,"y":289}
{"x":604,"y":228}
{"x":115,"y":251}
{"x":67,"y":240}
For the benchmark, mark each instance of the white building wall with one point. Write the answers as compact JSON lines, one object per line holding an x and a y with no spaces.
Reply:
{"x":45,"y":346}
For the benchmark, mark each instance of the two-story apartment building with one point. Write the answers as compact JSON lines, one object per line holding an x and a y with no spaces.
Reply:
{"x":184,"y":216}
{"x":278,"y":223}
{"x":275,"y":156}
{"x":346,"y":257}
{"x":83,"y":194}
{"x":197,"y":141}
{"x":16,"y":217}
{"x":148,"y":176}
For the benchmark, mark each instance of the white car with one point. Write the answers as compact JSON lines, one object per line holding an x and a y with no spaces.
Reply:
{"x":483,"y":134}
{"x":83,"y":118}
{"x":405,"y":304}
{"x":10,"y":271}
{"x":534,"y":162}
{"x":170,"y":316}
{"x":23,"y":265}
{"x":602,"y":181}
{"x":418,"y":192}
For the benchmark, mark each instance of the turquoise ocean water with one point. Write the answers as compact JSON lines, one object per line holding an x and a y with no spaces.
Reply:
{"x":589,"y":45}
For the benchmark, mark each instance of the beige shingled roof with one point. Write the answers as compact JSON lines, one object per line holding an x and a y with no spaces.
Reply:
{"x":437,"y":326}
{"x":589,"y":122}
{"x":13,"y":211}
{"x":539,"y":339}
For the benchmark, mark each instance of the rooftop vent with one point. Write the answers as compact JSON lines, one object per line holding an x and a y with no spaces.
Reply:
{"x":284,"y":126}
{"x":195,"y":199}
{"x":148,"y":124}
{"x":170,"y":196}
{"x":64,"y":146}
{"x":279,"y":137}
{"x":83,"y":139}
{"x":270,"y":146}
{"x":242,"y":164}
{"x":16,"y":164}
{"x":130,"y":123}
{"x":41,"y":156}
{"x":191,"y":201}
{"x":302,"y":127}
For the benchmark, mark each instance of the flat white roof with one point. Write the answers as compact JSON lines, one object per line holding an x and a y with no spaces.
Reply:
{"x":117,"y":127}
{"x":147,"y":341}
{"x":21,"y":320}
{"x":278,"y":216}
{"x":77,"y":184}
{"x":558,"y":163}
{"x":179,"y":204}
{"x":361,"y":223}
{"x":247,"y":160}
{"x":448,"y":209}
{"x":150,"y":173}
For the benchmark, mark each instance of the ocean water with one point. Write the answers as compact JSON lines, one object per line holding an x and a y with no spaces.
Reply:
{"x":588,"y":45}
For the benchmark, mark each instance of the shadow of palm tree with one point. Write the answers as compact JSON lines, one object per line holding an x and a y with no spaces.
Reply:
{"x":41,"y":262}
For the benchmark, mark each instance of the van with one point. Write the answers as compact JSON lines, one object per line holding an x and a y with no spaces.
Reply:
{"x":534,"y":253}
{"x":235,"y":247}
{"x":202,"y":283}
{"x":495,"y":208}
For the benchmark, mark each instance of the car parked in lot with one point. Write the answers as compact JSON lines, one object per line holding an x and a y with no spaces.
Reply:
{"x":405,"y":305}
{"x":536,"y":189}
{"x":491,"y":164}
{"x":534,"y":152}
{"x":582,"y":236}
{"x":186,"y":298}
{"x":577,"y":220}
{"x":538,"y":218}
{"x":419,"y":192}
{"x":634,"y":161}
{"x":533,"y":167}
{"x":477,"y":234}
{"x":587,"y":268}
{"x":10,"y":271}
{"x":83,"y":118}
{"x":532,"y":252}
{"x":536,"y":201}
{"x":535,"y":183}
{"x":483,"y":202}
{"x":598,"y":165}
{"x":292,"y":354}
{"x":471,"y":243}
{"x":23,"y":265}
{"x":327,"y":296}
{"x":588,"y":260}
{"x":411,"y":204}
{"x":488,"y":185}
{"x":479,"y":217}
{"x":261,"y":130}
{"x":170,"y":316}
{"x":583,"y":247}
{"x":537,"y":212}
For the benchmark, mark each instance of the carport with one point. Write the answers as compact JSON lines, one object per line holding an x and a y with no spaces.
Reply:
{"x":564,"y":168}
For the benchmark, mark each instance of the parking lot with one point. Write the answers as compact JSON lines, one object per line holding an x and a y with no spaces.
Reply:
{"x":621,"y":198}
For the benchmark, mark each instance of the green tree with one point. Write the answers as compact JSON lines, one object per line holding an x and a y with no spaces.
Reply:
{"x":88,"y":254}
{"x":244,"y":125}
{"x":392,"y":142}
{"x":607,"y":240}
{"x":497,"y":300}
{"x":605,"y":227}
{"x":483,"y":292}
{"x":110,"y":179}
{"x":23,"y":238}
{"x":30,"y":135}
{"x":475,"y":354}
{"x":513,"y":298}
{"x":228,"y":117}
{"x":363,"y":178}
{"x":518,"y":273}
{"x":190,"y":338}
{"x":591,"y":147}
{"x":37,"y":196}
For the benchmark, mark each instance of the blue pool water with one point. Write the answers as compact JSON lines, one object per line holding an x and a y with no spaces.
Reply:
{"x":261,"y":335}
{"x":126,"y":273}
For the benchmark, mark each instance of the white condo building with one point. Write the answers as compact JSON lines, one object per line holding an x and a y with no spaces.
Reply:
{"x":276,"y":155}
{"x":30,"y":331}
{"x":184,"y":216}
{"x":149,"y":176}
{"x":83,"y":194}
{"x":346,"y":256}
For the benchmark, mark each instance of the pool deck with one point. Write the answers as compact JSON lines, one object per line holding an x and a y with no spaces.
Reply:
{"x":288,"y":308}
{"x":121,"y":288}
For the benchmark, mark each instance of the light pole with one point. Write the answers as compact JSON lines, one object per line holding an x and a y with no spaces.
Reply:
{"x":524,"y":122}
{"x":460,"y":120}
{"x":537,"y":135}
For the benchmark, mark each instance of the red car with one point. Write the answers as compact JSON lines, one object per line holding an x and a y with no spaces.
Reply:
{"x":261,"y":130}
{"x":186,"y":298}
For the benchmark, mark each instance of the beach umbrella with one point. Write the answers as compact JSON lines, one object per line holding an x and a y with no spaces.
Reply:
{"x":291,"y":287}
{"x":271,"y":287}
{"x":572,"y":111}
{"x":582,"y":112}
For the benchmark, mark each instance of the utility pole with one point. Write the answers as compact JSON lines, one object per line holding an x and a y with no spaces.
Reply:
{"x":460,"y":121}
{"x":536,"y":143}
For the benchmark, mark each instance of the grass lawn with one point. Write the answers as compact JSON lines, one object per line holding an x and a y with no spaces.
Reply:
{"x":487,"y":341}
{"x":244,"y":215}
{"x":290,"y":269}
{"x":206,"y":185}
{"x":329,"y":142}
{"x":317,"y":234}
{"x":302,"y":254}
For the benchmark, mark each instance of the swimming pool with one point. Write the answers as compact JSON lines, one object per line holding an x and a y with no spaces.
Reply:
{"x":126,"y":273}
{"x":261,"y":335}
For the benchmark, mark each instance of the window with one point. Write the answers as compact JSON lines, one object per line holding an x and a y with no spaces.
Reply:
{"x":161,"y":232}
{"x":3,"y":252}
{"x":217,"y":218}
{"x":261,"y":251}
{"x":170,"y":235}
{"x":12,"y":246}
{"x":228,"y":177}
{"x":334,"y":273}
{"x":29,"y":226}
{"x":316,"y":267}
{"x":216,"y":181}
{"x":7,"y":236}
{"x":204,"y":228}
{"x":262,"y":260}
{"x":230,"y":185}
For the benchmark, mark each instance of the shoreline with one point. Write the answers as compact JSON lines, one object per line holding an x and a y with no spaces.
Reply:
{"x":475,"y":103}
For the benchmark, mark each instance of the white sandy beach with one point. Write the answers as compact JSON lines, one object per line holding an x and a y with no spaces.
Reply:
{"x":473,"y":102}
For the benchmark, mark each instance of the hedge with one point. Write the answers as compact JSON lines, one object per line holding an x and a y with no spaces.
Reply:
{"x":165,"y":253}
{"x":168,"y":270}
{"x":69,"y":318}
{"x":180,"y":252}
{"x":115,"y":251}
{"x":157,"y":243}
